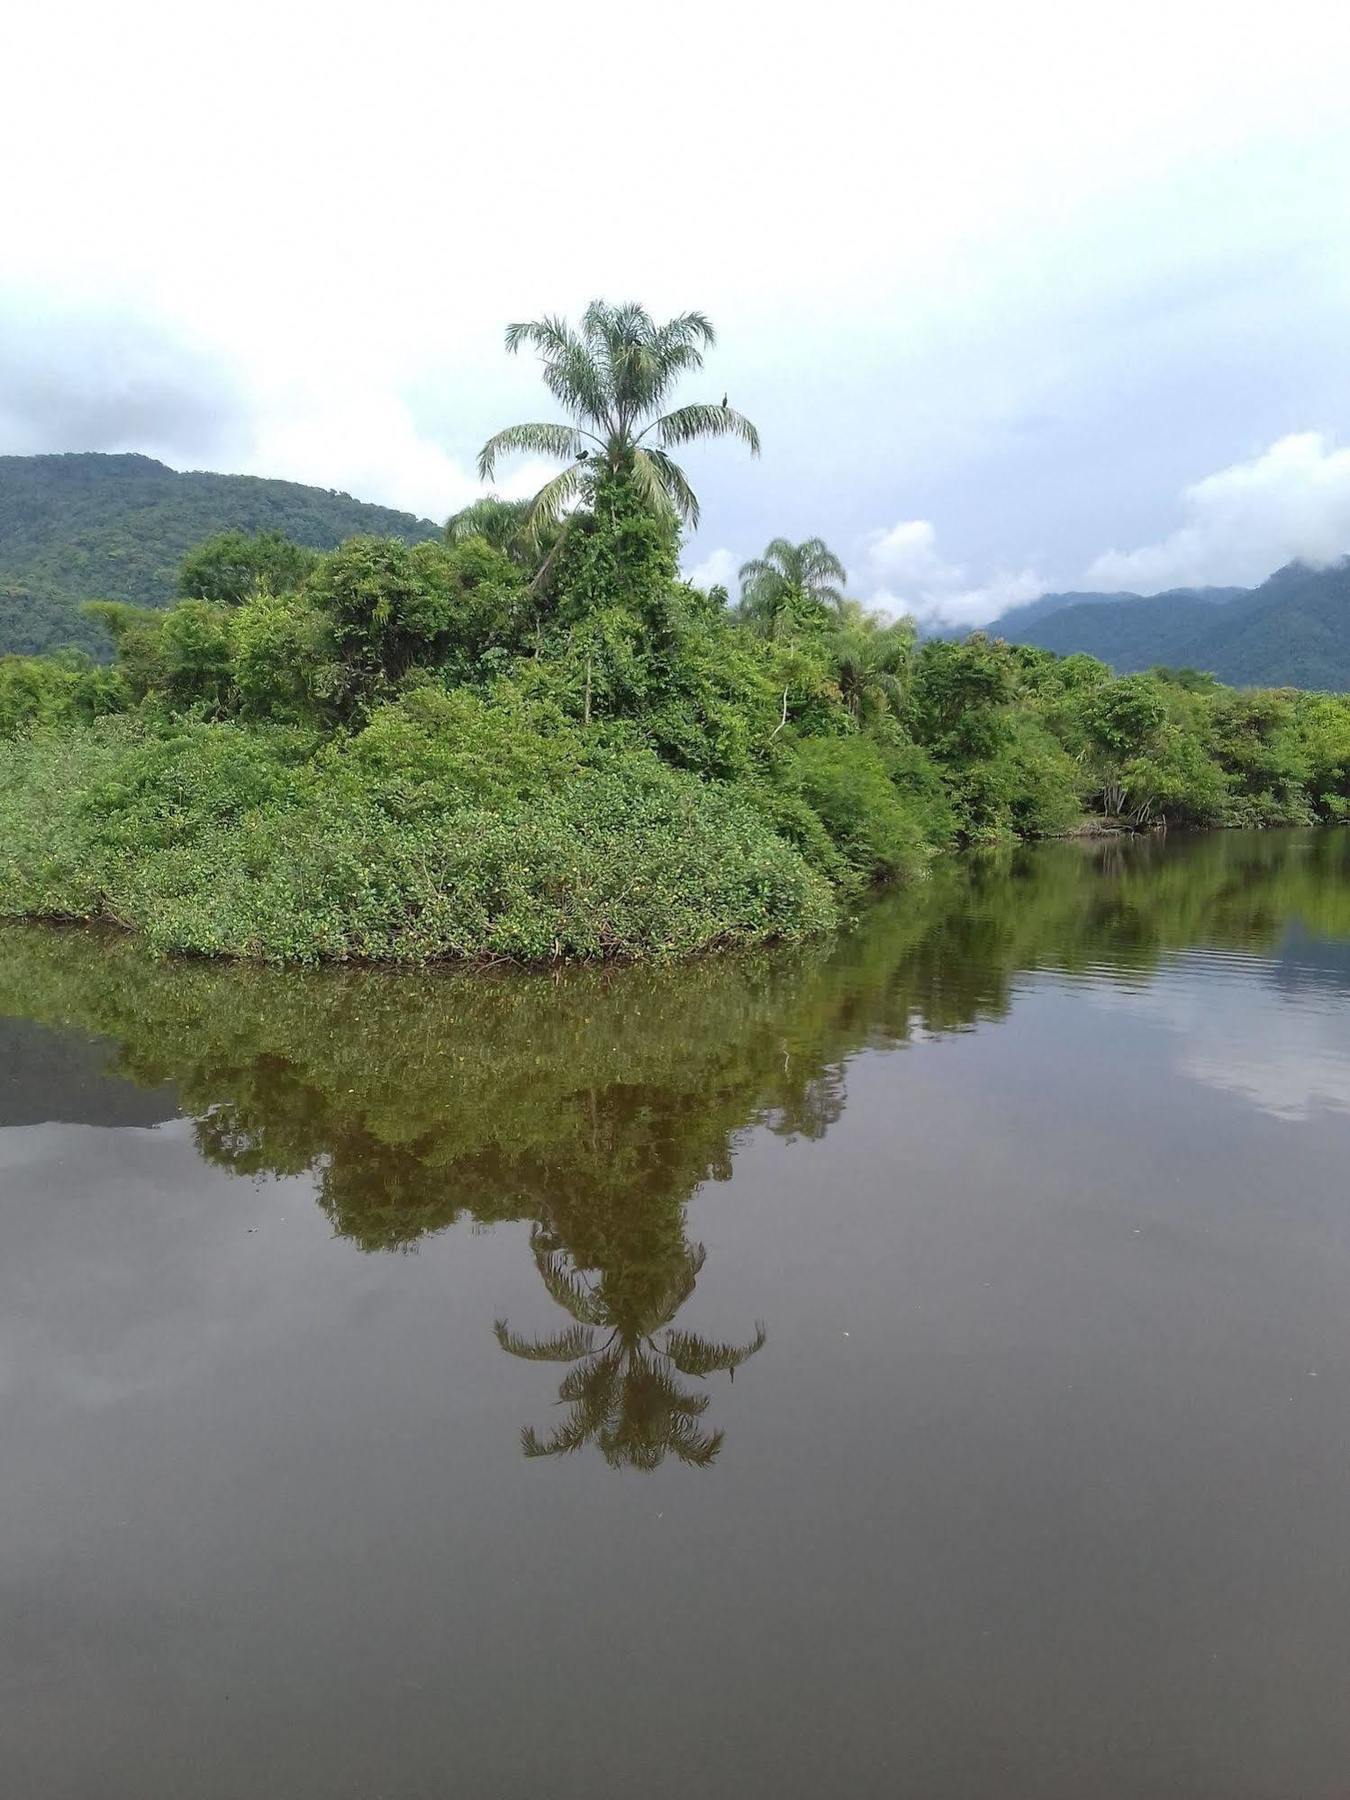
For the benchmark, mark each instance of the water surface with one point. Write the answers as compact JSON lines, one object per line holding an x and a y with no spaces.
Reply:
{"x":918,"y":1365}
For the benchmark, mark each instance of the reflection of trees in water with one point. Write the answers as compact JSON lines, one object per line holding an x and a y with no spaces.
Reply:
{"x":621,"y":1391}
{"x":593,"y":1104}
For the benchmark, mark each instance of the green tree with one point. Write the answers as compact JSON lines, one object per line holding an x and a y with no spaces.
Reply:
{"x":871,"y":665}
{"x":230,"y":566}
{"x":391,"y":608}
{"x":612,"y":378}
{"x":791,"y":588}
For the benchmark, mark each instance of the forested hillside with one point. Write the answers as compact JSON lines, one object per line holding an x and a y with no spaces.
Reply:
{"x":91,"y":527}
{"x":1292,"y":631}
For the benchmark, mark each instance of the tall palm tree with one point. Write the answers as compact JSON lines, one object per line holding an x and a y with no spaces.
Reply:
{"x":621,"y":1391}
{"x":790,"y":587}
{"x":612,"y":377}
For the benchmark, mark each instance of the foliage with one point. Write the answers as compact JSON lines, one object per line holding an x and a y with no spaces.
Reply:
{"x":877,"y":829}
{"x":65,"y":689}
{"x":791,"y":588}
{"x":233,"y":565}
{"x":612,"y":378}
{"x":391,"y":609}
{"x":529,"y":739}
{"x":93,"y":527}
{"x":218,"y":840}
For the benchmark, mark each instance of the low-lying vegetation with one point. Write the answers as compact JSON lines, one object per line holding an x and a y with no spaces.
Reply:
{"x":534,"y":740}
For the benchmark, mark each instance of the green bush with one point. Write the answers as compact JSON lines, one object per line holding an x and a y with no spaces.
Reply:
{"x":847,"y":783}
{"x":221,"y":841}
{"x":65,"y":689}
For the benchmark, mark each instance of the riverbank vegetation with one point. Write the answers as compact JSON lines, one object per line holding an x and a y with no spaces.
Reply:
{"x":534,"y":740}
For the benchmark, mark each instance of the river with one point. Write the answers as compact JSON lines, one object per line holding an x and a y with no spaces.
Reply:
{"x":914,"y":1365}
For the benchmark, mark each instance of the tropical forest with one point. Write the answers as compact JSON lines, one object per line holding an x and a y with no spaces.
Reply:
{"x":527,"y":738}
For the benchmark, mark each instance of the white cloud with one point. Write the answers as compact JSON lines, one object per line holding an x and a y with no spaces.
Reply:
{"x":1291,"y":502}
{"x":367,"y":446}
{"x":906,"y":573}
{"x":718,"y":569}
{"x":1236,"y":1034}
{"x":1126,"y":246}
{"x":362,"y":437}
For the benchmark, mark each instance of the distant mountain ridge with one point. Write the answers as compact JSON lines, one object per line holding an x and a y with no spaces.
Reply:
{"x":1019,"y":617}
{"x":1291,"y":631}
{"x":88,"y":526}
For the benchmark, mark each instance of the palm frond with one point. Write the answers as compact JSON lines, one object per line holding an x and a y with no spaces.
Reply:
{"x":551,"y":335}
{"x":694,"y":1355}
{"x":565,"y":1439}
{"x":566,"y":1346}
{"x":818,"y":560}
{"x":490,"y":517}
{"x":775,"y":566}
{"x":541,"y":438}
{"x":605,"y":325}
{"x":692,"y":330}
{"x":577,"y":382}
{"x":700,"y":420}
{"x":670,"y":478}
{"x":763,"y":589}
{"x":592,"y":1384}
{"x":696,"y":1448}
{"x":566,"y":1287}
{"x":550,"y":503}
{"x":891,"y":688}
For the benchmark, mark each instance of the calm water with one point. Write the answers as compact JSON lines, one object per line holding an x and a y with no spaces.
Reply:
{"x":919,"y":1366}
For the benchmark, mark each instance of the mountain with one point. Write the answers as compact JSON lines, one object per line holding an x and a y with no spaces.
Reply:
{"x":94,"y":527}
{"x":1292,"y":631}
{"x":1017,"y":618}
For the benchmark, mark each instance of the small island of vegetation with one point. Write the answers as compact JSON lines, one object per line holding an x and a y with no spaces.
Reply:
{"x":533,"y":740}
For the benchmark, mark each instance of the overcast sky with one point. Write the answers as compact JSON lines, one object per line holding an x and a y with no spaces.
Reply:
{"x":1020,"y":296}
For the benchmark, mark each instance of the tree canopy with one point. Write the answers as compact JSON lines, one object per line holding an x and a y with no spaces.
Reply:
{"x":612,"y":377}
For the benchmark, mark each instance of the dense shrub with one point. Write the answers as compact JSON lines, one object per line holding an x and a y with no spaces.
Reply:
{"x":222,"y":841}
{"x":846,"y":781}
{"x":68,"y":688}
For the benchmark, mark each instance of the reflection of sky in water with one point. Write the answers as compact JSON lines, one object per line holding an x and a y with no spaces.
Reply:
{"x":1273,"y":1029}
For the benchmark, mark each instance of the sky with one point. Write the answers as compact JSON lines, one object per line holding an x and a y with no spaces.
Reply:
{"x":1021,"y":298}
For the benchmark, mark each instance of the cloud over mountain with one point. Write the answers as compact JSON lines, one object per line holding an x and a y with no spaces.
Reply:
{"x":1290,"y":503}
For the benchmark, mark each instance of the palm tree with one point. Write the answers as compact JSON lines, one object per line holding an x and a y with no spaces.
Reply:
{"x":621,"y":1391}
{"x":505,"y":524}
{"x":490,"y":516}
{"x":790,"y":587}
{"x":872,"y":663}
{"x":611,"y":378}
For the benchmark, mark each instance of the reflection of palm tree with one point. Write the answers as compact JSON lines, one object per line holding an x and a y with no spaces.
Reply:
{"x":622,"y":1391}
